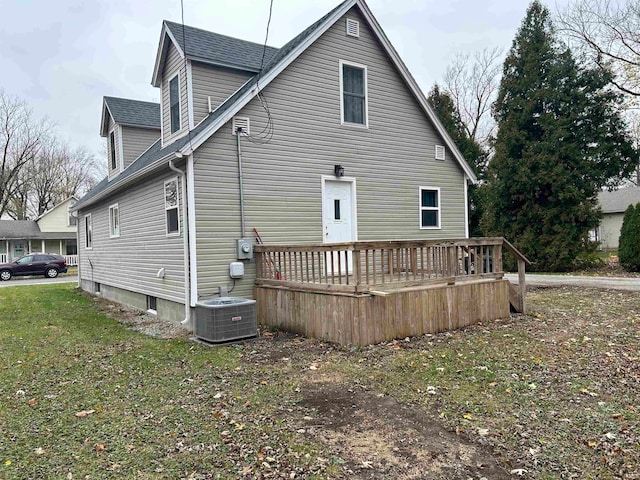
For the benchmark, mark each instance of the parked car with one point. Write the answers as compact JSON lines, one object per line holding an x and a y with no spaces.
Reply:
{"x":46,"y":264}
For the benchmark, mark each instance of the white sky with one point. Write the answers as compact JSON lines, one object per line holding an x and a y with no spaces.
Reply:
{"x":63,"y":56}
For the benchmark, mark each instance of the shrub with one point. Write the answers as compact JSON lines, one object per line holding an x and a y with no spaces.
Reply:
{"x":629,"y":244}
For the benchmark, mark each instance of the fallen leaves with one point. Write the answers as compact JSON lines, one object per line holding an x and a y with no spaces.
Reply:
{"x":84,"y":413}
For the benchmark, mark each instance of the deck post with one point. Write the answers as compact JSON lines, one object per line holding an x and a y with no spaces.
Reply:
{"x":259,"y":266}
{"x":523,"y":285}
{"x":357,"y":276}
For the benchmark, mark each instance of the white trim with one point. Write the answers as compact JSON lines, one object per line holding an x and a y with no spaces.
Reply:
{"x":84,"y":227}
{"x":415,"y":89}
{"x":342,"y":63}
{"x":160,"y":53}
{"x":112,"y":230}
{"x":177,"y":74}
{"x":466,"y":207}
{"x":161,"y":115}
{"x":190,"y":94}
{"x":431,"y":209}
{"x":120,"y":148}
{"x":266,"y":80}
{"x":113,"y":149}
{"x":166,"y":208}
{"x":191,"y":207}
{"x":354,"y":202}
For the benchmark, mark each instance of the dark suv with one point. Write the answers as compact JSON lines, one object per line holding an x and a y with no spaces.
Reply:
{"x":45,"y":264}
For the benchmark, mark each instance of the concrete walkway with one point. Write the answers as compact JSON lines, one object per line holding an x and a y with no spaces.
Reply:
{"x":23,"y":281}
{"x":616,"y":283}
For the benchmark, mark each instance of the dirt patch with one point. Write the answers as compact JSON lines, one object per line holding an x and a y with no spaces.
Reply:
{"x":377,"y":437}
{"x":140,"y":321}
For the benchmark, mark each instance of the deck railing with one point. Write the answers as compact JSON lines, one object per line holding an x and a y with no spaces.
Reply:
{"x":380,"y":266}
{"x":3,"y":258}
{"x":72,"y":260}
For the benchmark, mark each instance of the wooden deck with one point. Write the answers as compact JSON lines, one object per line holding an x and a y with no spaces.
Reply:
{"x":368,"y":292}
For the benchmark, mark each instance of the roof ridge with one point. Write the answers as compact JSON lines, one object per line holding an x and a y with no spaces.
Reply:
{"x":130,"y":100}
{"x":178,"y":24}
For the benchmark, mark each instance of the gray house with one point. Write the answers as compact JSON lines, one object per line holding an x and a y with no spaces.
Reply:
{"x":613,"y":205}
{"x":327,"y":139}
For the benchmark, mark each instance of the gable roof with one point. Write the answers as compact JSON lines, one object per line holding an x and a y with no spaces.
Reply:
{"x":156,"y":156}
{"x":209,"y":47}
{"x":618,"y":200}
{"x":72,"y":197}
{"x":130,"y":113}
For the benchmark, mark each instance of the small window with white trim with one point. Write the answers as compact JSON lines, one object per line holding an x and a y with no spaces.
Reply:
{"x":174,"y":103}
{"x":353,"y":93}
{"x":88,"y":231}
{"x":429,"y":207}
{"x":72,"y":220}
{"x":114,"y":221}
{"x":171,"y":206}
{"x":112,"y":150}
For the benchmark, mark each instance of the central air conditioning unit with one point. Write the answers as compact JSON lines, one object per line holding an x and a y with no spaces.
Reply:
{"x":226,"y":318}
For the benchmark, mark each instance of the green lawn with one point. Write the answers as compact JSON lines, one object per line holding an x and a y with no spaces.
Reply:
{"x":81,"y":396}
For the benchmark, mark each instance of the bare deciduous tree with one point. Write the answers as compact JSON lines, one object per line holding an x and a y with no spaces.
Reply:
{"x":21,"y":137}
{"x":607,"y":32}
{"x":472,"y":80}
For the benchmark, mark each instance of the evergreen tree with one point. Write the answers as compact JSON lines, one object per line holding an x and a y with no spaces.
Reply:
{"x":629,"y":244}
{"x":448,"y":114}
{"x":560,"y":139}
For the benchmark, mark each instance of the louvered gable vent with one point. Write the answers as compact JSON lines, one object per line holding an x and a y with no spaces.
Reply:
{"x":242,"y":124}
{"x":439,"y":152}
{"x":353,"y":28}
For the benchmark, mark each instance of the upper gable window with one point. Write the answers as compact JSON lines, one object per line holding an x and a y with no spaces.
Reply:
{"x":112,"y":150}
{"x":174,"y":103}
{"x":353,"y":85}
{"x":171,"y":206}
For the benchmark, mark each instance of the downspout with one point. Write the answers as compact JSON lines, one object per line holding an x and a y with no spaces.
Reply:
{"x":185,"y":238}
{"x":241,"y":184}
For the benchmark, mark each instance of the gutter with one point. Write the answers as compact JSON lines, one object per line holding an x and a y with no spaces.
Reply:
{"x":185,"y":237}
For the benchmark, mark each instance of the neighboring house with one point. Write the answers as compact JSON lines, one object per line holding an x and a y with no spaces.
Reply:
{"x":613,"y":205}
{"x":54,"y":231}
{"x":332,"y":141}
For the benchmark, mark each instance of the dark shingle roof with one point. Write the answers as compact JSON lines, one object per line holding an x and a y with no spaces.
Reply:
{"x":618,"y":200}
{"x":155,"y":153}
{"x":220,"y":49}
{"x":134,"y":112}
{"x":19,"y":229}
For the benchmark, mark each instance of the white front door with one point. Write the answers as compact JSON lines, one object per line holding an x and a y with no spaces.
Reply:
{"x":339,"y":218}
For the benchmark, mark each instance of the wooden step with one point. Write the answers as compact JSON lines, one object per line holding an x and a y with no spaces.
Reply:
{"x":514,"y":299}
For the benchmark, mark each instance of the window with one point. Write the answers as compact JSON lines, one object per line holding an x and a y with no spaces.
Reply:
{"x":96,"y":288}
{"x":152,"y":304}
{"x":72,"y":220}
{"x":114,"y":221}
{"x":353,"y":85}
{"x":174,"y":103}
{"x":171,"y":206}
{"x":429,"y":207}
{"x":88,"y":234}
{"x":27,"y":259}
{"x":112,"y":150}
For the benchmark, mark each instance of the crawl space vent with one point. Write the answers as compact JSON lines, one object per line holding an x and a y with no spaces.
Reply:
{"x":353,"y":28}
{"x":242,"y":124}
{"x":439,"y":152}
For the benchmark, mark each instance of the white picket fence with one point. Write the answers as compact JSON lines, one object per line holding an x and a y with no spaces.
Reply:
{"x":72,"y":260}
{"x":3,"y":258}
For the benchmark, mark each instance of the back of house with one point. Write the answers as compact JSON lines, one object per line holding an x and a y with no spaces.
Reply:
{"x":327,"y":139}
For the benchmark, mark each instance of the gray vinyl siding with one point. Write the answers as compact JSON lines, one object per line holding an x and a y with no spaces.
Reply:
{"x":136,"y":141}
{"x":217,"y":83}
{"x":173,"y":64}
{"x":132,"y":261}
{"x":390,"y":161}
{"x":111,"y":126}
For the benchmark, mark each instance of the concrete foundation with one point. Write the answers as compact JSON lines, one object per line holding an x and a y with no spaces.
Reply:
{"x":166,"y":310}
